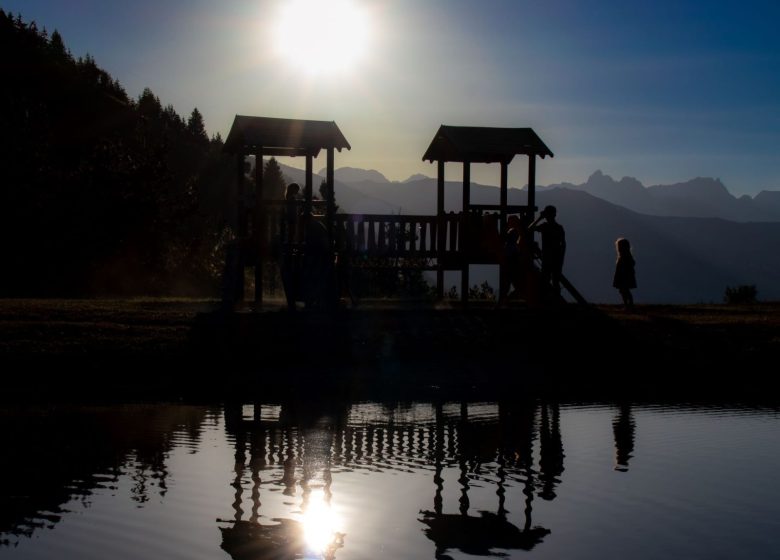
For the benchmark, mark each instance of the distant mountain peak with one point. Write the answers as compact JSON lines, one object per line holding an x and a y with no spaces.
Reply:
{"x":628,"y":181}
{"x":599,"y":180}
{"x":356,"y":175}
{"x":416,"y":177}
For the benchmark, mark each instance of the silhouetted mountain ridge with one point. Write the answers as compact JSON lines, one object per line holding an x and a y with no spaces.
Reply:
{"x":702,"y":197}
{"x":356,"y":175}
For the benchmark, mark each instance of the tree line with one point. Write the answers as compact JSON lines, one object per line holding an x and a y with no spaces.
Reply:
{"x":101,"y":193}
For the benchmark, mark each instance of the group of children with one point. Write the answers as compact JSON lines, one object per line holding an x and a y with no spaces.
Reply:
{"x":518,"y":257}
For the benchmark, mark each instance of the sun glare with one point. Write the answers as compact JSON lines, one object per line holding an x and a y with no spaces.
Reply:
{"x":322,"y":36}
{"x":321,"y":525}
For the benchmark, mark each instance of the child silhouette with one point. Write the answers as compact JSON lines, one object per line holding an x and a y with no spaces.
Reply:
{"x":625,"y":276}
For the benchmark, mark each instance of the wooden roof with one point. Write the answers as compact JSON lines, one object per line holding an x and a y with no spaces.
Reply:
{"x":481,"y":144}
{"x":283,"y":137}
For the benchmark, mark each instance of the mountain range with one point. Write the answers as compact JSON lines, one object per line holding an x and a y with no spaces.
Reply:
{"x":690,"y":240}
{"x":702,"y":197}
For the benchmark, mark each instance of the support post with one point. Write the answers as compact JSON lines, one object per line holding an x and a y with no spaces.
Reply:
{"x":532,"y":184}
{"x":503,"y":281}
{"x":243,"y":227}
{"x":504,"y":194}
{"x":464,"y":237}
{"x":259,"y":228}
{"x":307,"y":189}
{"x":330,"y":211}
{"x":441,"y":234}
{"x":307,"y":197}
{"x":532,"y":192}
{"x":330,"y":217}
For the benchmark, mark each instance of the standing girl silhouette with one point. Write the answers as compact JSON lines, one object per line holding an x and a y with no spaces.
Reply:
{"x":625,"y":276}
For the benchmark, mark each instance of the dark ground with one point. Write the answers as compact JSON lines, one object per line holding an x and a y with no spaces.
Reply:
{"x":183,"y":348}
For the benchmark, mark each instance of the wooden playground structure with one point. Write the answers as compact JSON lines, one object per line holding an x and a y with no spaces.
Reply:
{"x":440,"y":242}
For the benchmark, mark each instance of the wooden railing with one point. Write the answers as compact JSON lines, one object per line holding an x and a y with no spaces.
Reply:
{"x":382,"y":240}
{"x":387,"y":235}
{"x":451,"y":238}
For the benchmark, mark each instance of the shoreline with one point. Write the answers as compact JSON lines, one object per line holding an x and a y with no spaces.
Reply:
{"x":172,"y":348}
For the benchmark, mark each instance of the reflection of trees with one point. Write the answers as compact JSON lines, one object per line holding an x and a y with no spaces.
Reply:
{"x":623,"y":428}
{"x":486,"y":445}
{"x":53,"y":455}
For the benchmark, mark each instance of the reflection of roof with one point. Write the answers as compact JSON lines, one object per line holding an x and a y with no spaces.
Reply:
{"x":481,"y":144}
{"x":479,"y":535}
{"x":283,"y":137}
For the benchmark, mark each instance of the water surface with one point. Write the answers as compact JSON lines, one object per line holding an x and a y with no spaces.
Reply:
{"x":393,"y":480}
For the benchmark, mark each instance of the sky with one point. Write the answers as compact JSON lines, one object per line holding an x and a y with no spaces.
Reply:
{"x":662,"y":91}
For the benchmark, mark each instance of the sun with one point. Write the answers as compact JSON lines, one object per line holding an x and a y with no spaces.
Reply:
{"x":322,"y":36}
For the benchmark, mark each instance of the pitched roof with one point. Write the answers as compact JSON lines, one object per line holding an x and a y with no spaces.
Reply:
{"x":281,"y":137}
{"x":483,"y":144}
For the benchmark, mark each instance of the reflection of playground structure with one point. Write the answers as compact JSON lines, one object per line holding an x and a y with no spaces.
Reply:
{"x":280,"y":442}
{"x":487,"y":445}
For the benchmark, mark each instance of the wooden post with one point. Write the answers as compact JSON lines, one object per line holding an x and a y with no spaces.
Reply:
{"x":330,"y":218}
{"x":441,"y":231}
{"x":307,"y":190}
{"x":307,"y":198}
{"x":504,"y":194}
{"x":532,"y":184}
{"x":243,"y":226}
{"x":331,"y":194}
{"x":503,"y":288}
{"x":243,"y":222}
{"x":532,"y":193}
{"x":259,"y":229}
{"x":465,"y":234}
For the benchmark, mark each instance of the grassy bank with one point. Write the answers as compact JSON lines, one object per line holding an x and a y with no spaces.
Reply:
{"x":175,"y":347}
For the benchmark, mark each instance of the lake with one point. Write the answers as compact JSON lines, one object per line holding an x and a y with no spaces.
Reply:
{"x":263,"y":480}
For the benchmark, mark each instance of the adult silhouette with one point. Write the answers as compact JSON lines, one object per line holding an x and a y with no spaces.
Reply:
{"x":289,"y":239}
{"x":553,"y":246}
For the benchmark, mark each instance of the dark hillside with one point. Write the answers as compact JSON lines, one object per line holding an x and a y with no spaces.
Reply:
{"x":100,"y":193}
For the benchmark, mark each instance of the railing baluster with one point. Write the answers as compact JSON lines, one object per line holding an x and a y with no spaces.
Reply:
{"x":350,"y":235}
{"x":361,"y":236}
{"x":453,"y":220}
{"x":388,"y":231}
{"x":412,"y":236}
{"x":371,"y":236}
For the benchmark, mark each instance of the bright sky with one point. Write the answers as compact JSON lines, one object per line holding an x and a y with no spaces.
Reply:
{"x":663,"y":91}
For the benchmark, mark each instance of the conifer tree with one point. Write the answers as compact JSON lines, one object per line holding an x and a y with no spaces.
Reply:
{"x":196,"y":127}
{"x":274,"y":182}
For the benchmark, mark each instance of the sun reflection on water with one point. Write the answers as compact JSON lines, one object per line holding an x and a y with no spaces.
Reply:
{"x":321,"y":526}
